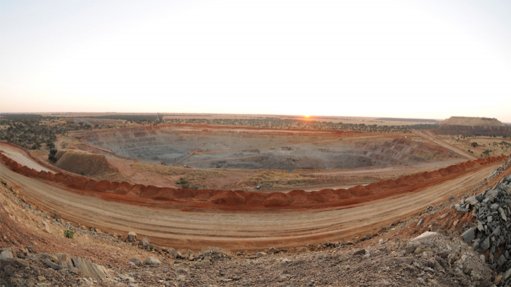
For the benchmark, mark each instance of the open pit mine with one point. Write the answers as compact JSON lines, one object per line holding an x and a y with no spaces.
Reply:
{"x":111,"y":202}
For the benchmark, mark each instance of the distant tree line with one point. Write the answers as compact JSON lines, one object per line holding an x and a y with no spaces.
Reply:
{"x":491,"y":131}
{"x":138,"y":118}
{"x":278,"y":123}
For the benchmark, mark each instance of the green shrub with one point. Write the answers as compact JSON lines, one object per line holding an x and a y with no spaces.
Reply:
{"x":183,"y":183}
{"x":68,"y":233}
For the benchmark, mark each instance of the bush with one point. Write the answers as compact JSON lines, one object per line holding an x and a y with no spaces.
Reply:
{"x":183,"y":183}
{"x":68,"y":233}
{"x":52,"y":156}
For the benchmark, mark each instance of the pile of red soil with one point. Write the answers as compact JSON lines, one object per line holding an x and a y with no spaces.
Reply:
{"x":244,"y":200}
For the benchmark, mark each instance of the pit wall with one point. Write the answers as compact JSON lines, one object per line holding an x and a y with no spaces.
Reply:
{"x":249,"y":201}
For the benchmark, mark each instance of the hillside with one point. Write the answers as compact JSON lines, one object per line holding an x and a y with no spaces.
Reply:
{"x":472,"y":121}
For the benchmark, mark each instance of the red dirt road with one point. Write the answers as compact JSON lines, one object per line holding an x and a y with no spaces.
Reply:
{"x":234,"y":229}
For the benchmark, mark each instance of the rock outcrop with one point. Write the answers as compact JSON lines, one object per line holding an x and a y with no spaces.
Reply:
{"x":491,"y":234}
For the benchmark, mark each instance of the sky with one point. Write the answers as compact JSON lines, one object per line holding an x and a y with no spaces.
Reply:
{"x":395,"y":58}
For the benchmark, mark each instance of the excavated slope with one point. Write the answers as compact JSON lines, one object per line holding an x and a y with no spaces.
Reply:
{"x":267,"y":149}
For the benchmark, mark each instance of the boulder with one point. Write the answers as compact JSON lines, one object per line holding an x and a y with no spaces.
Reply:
{"x":507,"y":274}
{"x":491,"y":195}
{"x":425,"y":236}
{"x":152,"y":261}
{"x":469,"y":235}
{"x":360,"y":252}
{"x":461,"y":208}
{"x":132,"y":236}
{"x":502,"y":214}
{"x":472,"y":200}
{"x":146,"y":244}
{"x":136,"y":261}
{"x":6,"y":254}
{"x":485,"y":244}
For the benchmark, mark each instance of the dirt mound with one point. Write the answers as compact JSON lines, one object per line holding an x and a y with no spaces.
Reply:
{"x":83,"y":163}
{"x":472,"y":121}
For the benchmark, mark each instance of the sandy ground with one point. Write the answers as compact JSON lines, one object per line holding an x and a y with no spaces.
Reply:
{"x":235,"y":230}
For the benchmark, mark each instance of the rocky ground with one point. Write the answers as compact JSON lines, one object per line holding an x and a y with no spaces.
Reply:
{"x":35,"y":252}
{"x":431,"y":259}
{"x":491,"y":232}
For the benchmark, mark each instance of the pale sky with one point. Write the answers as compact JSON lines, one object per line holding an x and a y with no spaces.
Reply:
{"x":401,"y":58}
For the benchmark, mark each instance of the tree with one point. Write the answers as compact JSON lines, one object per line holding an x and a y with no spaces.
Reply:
{"x":52,"y":156}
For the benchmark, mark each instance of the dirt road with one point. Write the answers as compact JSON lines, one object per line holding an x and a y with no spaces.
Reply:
{"x":234,"y":230}
{"x":22,"y":157}
{"x":429,"y":136}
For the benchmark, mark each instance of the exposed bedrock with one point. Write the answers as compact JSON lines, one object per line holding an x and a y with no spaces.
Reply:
{"x":491,"y":232}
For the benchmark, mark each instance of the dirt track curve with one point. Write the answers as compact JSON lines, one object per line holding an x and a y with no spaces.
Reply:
{"x":234,"y":229}
{"x":427,"y":135}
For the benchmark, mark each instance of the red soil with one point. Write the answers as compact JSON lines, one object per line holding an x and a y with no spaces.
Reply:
{"x":249,"y":201}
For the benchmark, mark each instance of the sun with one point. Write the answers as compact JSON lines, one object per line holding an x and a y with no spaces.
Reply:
{"x":307,"y":116}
